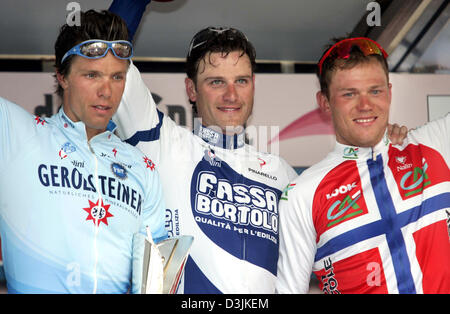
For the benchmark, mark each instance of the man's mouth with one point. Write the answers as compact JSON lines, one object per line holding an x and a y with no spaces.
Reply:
{"x":365,"y":120}
{"x":229,"y":109}
{"x":101,"y":108}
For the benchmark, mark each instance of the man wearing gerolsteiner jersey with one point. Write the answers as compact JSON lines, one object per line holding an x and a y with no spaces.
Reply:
{"x":72,"y":194}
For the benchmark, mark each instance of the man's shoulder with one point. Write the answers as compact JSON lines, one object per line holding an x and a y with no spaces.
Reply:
{"x":314,"y":174}
{"x":16,"y":118}
{"x":265,"y":155}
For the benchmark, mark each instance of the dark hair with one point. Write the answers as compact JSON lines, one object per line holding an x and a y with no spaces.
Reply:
{"x":213,"y":40}
{"x":331,"y":65}
{"x":103,"y":25}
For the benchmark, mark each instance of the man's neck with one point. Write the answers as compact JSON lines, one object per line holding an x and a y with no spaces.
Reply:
{"x":216,"y":136}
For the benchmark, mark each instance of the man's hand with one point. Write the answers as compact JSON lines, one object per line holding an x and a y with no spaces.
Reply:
{"x":396,"y":133}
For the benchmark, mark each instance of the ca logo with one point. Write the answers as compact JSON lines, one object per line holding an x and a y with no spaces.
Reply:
{"x":351,"y":153}
{"x":342,"y":208}
{"x":419,"y":180}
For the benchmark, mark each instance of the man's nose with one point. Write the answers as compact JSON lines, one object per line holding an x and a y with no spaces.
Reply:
{"x":230,"y":93}
{"x":105,"y":89}
{"x":364,"y":102}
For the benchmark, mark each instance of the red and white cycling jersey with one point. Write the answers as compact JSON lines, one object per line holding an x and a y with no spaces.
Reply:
{"x":371,"y":220}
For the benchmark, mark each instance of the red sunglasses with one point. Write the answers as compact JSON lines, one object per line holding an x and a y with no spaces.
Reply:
{"x":342,"y":49}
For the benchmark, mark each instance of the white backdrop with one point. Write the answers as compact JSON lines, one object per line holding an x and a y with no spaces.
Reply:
{"x":280,"y":100}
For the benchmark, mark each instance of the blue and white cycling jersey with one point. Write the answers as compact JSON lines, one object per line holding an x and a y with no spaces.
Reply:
{"x":69,"y":207}
{"x":217,"y":189}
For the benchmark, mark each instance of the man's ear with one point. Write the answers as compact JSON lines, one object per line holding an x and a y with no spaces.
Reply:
{"x":61,"y":80}
{"x":190,"y":89}
{"x":390,"y":92}
{"x":322,"y":101}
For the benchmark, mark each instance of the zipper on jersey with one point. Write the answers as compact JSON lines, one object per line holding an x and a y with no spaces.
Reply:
{"x":100,"y":203}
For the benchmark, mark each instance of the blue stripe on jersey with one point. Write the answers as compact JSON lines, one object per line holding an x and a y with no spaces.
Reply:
{"x":147,"y":135}
{"x":394,"y":237}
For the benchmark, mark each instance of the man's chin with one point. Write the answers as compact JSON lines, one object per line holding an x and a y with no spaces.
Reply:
{"x":233,"y":129}
{"x":368,"y":142}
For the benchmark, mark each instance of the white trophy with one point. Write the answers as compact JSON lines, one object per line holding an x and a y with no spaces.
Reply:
{"x":158,"y":267}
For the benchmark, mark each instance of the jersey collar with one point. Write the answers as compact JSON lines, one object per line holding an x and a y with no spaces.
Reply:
{"x":79,"y":128}
{"x":219,"y":139}
{"x":363,"y":153}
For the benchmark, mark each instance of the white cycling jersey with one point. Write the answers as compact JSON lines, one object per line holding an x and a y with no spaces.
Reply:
{"x":371,"y":220}
{"x":217,"y":189}
{"x":69,"y":207}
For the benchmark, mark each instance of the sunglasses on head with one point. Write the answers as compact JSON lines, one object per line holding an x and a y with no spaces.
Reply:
{"x":203,"y":36}
{"x":96,"y":48}
{"x":342,"y":49}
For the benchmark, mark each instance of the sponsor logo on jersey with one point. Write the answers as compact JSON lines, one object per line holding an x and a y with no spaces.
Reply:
{"x":238,"y":214}
{"x":350,"y":153}
{"x":71,"y":179}
{"x":39,"y":120}
{"x":343,"y":189}
{"x":262,"y":162}
{"x":210,"y":156}
{"x":266,"y":175}
{"x":236,"y":203}
{"x":402,"y":161}
{"x":419,"y":180}
{"x":149,"y":164}
{"x":66,"y":149}
{"x":98,"y":212}
{"x":119,"y":171}
{"x":172,"y":224}
{"x":67,"y":122}
{"x":339,"y":197}
{"x":330,"y":284}
{"x":416,"y":168}
{"x":342,"y":206}
{"x":284,"y":194}
{"x":78,"y":164}
{"x":209,"y":135}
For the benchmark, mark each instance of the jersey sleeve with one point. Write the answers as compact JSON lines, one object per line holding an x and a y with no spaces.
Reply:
{"x":137,"y":110}
{"x":15,"y":128}
{"x":297,"y":243}
{"x":436,"y":134}
{"x":141,"y":124}
{"x":131,"y":11}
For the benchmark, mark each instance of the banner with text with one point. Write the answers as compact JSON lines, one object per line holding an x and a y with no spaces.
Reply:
{"x":285,"y":119}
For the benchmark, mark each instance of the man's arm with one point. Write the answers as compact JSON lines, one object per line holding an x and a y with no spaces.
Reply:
{"x":436,"y":134}
{"x":16,"y":126}
{"x":137,"y":117}
{"x":297,"y":244}
{"x":138,"y":121}
{"x":131,"y":11}
{"x":137,"y":110}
